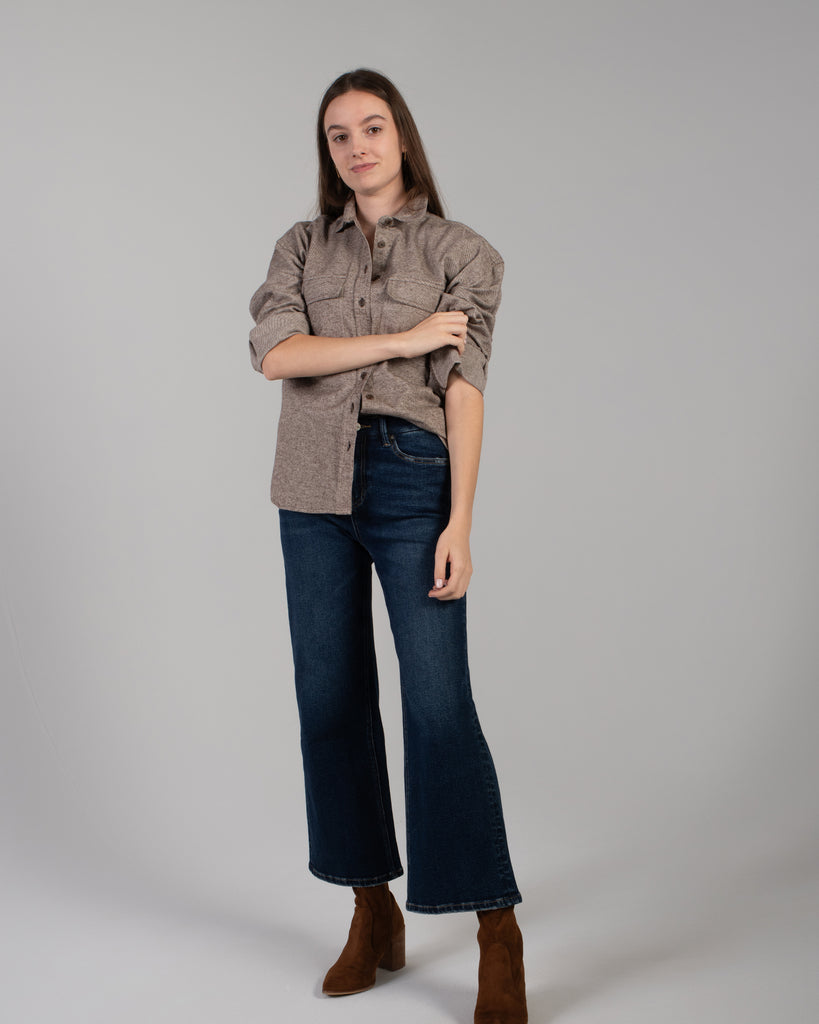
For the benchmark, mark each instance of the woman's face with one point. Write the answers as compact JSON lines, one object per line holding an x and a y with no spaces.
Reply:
{"x":361,"y":134}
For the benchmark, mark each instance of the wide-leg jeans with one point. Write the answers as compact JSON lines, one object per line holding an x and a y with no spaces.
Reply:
{"x":457,"y":853}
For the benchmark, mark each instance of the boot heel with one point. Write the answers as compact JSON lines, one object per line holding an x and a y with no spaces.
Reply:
{"x":395,"y":957}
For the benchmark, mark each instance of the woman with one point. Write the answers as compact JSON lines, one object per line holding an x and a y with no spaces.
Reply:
{"x":378,"y":317}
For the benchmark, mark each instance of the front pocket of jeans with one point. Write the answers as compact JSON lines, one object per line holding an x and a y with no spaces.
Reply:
{"x":419,"y":446}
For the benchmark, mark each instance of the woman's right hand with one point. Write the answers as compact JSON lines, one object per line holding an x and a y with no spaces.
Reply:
{"x":436,"y":331}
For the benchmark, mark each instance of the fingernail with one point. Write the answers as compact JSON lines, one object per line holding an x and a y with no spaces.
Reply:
{"x":439,"y":584}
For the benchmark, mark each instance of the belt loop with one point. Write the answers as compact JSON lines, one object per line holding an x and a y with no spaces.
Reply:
{"x":385,"y":434}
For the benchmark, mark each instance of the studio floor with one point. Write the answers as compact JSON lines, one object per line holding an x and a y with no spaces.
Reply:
{"x":604,"y":944}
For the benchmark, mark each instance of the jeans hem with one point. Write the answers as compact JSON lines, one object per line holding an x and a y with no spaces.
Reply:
{"x":361,"y":882}
{"x":452,"y":908}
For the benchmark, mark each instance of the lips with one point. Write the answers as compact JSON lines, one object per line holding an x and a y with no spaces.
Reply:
{"x":362,"y":167}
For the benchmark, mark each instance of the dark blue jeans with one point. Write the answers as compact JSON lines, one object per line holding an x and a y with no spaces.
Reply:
{"x":457,"y":855}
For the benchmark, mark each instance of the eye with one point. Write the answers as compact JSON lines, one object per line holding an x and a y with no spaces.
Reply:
{"x":377,"y":127}
{"x":337,"y":137}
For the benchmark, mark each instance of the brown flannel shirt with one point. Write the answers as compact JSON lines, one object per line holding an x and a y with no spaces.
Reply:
{"x":323,"y":280}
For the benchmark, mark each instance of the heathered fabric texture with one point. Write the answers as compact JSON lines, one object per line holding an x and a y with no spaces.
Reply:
{"x":323,"y":280}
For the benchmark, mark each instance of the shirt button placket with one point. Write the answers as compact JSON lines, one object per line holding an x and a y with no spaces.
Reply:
{"x":377,"y":267}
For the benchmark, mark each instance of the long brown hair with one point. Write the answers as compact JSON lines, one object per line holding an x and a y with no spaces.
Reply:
{"x":333,"y":193}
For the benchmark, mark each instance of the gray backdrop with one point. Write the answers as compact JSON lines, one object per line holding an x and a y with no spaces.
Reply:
{"x":644,"y":605}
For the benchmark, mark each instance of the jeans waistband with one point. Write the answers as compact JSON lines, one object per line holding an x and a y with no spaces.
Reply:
{"x":387,"y":424}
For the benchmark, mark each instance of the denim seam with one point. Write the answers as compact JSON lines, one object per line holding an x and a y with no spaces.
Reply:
{"x":372,"y":880}
{"x":407,"y":784}
{"x":419,"y":460}
{"x":388,"y":441}
{"x":490,"y":782}
{"x":371,"y":694}
{"x":509,"y":900}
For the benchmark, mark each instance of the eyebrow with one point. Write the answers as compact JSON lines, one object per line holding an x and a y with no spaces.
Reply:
{"x":369,"y":117}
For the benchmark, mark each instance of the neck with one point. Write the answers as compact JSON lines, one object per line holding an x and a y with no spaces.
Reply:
{"x":370,"y":208}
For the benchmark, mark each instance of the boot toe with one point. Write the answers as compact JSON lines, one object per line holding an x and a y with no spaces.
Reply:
{"x":345,"y":988}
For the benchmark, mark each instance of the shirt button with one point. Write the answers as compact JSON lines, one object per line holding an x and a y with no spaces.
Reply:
{"x":349,"y":445}
{"x":376,"y":277}
{"x":361,"y":302}
{"x":363,"y":374}
{"x":381,"y":244}
{"x":352,"y":406}
{"x":370,"y":397}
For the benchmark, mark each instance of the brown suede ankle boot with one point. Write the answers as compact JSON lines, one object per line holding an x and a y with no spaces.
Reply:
{"x":376,"y":939}
{"x":501,"y":982}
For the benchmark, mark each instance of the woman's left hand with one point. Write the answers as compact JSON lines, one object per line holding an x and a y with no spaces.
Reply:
{"x":452,"y":547}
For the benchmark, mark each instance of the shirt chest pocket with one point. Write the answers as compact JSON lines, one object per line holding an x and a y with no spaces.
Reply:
{"x":408,"y":302}
{"x":325,"y":302}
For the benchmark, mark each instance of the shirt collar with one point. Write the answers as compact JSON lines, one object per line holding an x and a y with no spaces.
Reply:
{"x":413,"y":209}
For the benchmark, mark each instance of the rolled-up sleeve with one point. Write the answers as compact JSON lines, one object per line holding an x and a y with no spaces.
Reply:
{"x":278,"y":306}
{"x":476,"y":291}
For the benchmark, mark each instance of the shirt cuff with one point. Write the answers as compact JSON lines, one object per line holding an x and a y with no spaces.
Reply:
{"x":471,"y":366}
{"x":271,"y":331}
